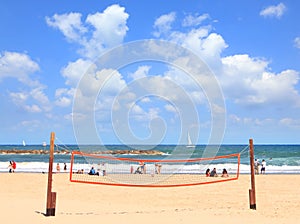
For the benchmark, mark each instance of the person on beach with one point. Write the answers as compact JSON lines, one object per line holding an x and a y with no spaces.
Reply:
{"x":103,"y":167}
{"x":80,"y":171}
{"x":14,"y":166}
{"x":224,"y":173}
{"x":10,"y":169}
{"x":143,"y":167}
{"x":65,"y":167}
{"x":263,"y":167}
{"x":157,"y":168}
{"x":213,"y":173}
{"x":256,"y":166}
{"x":207,"y":173}
{"x":93,"y":172}
{"x":57,"y":167}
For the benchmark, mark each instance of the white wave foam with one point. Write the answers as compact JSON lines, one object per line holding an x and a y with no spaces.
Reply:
{"x":38,"y":167}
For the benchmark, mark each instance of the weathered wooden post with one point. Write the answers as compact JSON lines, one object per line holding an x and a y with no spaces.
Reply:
{"x":51,"y":196}
{"x":252,"y":196}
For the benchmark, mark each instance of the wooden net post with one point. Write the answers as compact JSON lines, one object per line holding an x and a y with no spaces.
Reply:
{"x":51,"y":196}
{"x":252,"y":197}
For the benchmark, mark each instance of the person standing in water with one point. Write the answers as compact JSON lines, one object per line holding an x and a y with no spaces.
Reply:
{"x":263,"y":167}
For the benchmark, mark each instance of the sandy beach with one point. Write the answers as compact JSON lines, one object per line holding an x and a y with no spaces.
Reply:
{"x":23,"y":198}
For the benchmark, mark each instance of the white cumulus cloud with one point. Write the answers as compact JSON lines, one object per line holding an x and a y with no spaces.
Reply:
{"x":170,"y":108}
{"x":199,"y":39}
{"x":69,"y":24}
{"x":163,"y":24}
{"x":19,"y":66}
{"x":33,"y":101}
{"x":194,"y":20}
{"x":99,"y":32}
{"x":141,"y":72}
{"x":74,"y":71}
{"x":297,"y":42}
{"x":64,"y":97}
{"x":248,"y":81}
{"x":274,"y":11}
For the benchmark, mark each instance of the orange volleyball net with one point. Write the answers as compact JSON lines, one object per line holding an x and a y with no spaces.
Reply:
{"x":109,"y":170}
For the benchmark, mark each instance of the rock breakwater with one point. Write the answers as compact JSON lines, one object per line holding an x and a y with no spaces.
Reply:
{"x":64,"y":151}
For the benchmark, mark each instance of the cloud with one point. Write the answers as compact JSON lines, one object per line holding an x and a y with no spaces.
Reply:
{"x":141,"y":115}
{"x":297,"y":42}
{"x":32,"y":108}
{"x":141,"y":72}
{"x":64,"y":97}
{"x":19,"y":66}
{"x":19,"y":97}
{"x":170,"y":108}
{"x":242,"y":65}
{"x":249,"y":121}
{"x":94,"y":35}
{"x":145,"y":100}
{"x":206,"y":44}
{"x":249,"y":82}
{"x":110,"y":26}
{"x":163,"y":24}
{"x":203,"y":42}
{"x":196,"y":20}
{"x":39,"y":95}
{"x":69,"y":24}
{"x":290,"y":122}
{"x":273,"y":11}
{"x":245,"y":80}
{"x":74,"y":71}
{"x":99,"y":32}
{"x":77,"y":116}
{"x":33,"y":101}
{"x":101,"y":86}
{"x":91,"y":81}
{"x":31,"y":125}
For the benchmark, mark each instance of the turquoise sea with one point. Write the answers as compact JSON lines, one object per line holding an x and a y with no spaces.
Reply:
{"x":280,"y":158}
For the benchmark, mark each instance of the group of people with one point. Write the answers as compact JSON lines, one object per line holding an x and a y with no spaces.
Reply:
{"x":214,"y":173}
{"x":141,"y":169}
{"x":12,"y":166}
{"x":101,"y":169}
{"x":58,"y":167}
{"x":257,"y":165}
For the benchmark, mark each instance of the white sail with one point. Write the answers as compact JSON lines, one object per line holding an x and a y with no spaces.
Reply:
{"x":24,"y":144}
{"x":190,"y":143}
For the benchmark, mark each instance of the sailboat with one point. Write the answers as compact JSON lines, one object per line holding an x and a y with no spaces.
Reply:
{"x":190,"y":144}
{"x":23,"y":142}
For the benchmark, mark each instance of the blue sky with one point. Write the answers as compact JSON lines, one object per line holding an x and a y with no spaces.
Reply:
{"x":253,"y":50}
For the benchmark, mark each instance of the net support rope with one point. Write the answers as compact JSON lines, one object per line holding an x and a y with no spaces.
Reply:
{"x":244,"y":150}
{"x":63,"y":147}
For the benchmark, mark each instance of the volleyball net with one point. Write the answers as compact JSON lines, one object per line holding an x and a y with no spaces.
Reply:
{"x":110,"y":170}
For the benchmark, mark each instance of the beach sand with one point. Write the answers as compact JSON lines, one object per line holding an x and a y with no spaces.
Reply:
{"x":23,"y":199}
